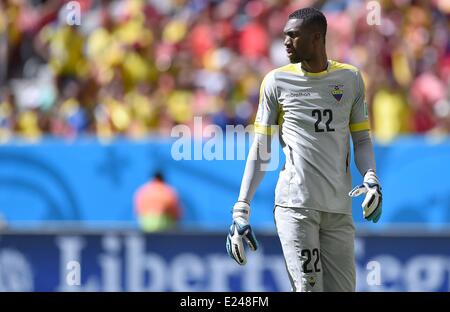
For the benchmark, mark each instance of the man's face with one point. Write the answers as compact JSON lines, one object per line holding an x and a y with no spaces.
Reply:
{"x":298,"y":41}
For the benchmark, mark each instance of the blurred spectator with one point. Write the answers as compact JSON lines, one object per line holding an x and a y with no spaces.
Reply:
{"x":136,"y":67}
{"x":426,"y":91}
{"x":157,"y":205}
{"x":7,"y":114}
{"x":3,"y":224}
{"x":391,"y":113}
{"x":442,"y":112}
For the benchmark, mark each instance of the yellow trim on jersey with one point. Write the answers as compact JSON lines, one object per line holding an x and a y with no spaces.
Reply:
{"x":290,"y":68}
{"x":298,"y":66}
{"x":315,"y":74}
{"x":308,"y":74}
{"x":296,"y":69}
{"x":340,"y":66}
{"x":333,"y":66}
{"x":263,"y":129}
{"x":360,"y":126}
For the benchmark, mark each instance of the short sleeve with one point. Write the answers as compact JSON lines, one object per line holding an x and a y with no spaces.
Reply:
{"x":359,"y":117}
{"x":267,"y":114}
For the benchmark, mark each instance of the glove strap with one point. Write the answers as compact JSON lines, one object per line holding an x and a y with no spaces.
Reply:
{"x":371,"y":177}
{"x":241,"y":210}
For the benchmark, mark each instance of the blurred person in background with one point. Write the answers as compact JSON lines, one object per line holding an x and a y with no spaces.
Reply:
{"x":157,"y":205}
{"x":7,"y":114}
{"x":391,"y":112}
{"x":442,"y":112}
{"x":3,"y":224}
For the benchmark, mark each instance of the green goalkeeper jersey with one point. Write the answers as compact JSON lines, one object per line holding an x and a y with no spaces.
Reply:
{"x":315,"y":113}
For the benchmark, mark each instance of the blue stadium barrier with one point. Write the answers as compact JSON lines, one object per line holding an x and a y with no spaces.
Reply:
{"x":92,"y":183}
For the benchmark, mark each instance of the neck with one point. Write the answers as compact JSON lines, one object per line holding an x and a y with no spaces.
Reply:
{"x":316,"y":65}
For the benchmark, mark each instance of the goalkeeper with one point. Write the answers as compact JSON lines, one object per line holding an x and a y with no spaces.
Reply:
{"x":316,"y":103}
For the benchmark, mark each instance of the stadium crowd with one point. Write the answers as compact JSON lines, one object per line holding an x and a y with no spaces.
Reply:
{"x":135,"y":68}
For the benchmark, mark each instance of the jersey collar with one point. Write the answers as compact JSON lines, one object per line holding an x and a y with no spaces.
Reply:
{"x":308,"y":74}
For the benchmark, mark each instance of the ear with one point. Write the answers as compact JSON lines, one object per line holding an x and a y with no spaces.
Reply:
{"x":317,"y":37}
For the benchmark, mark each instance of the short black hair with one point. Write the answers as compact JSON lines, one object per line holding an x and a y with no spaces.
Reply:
{"x":311,"y":17}
{"x":158,"y":175}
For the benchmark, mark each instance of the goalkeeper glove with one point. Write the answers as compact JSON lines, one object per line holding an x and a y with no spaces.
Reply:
{"x":372,"y":204}
{"x":240,"y":230}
